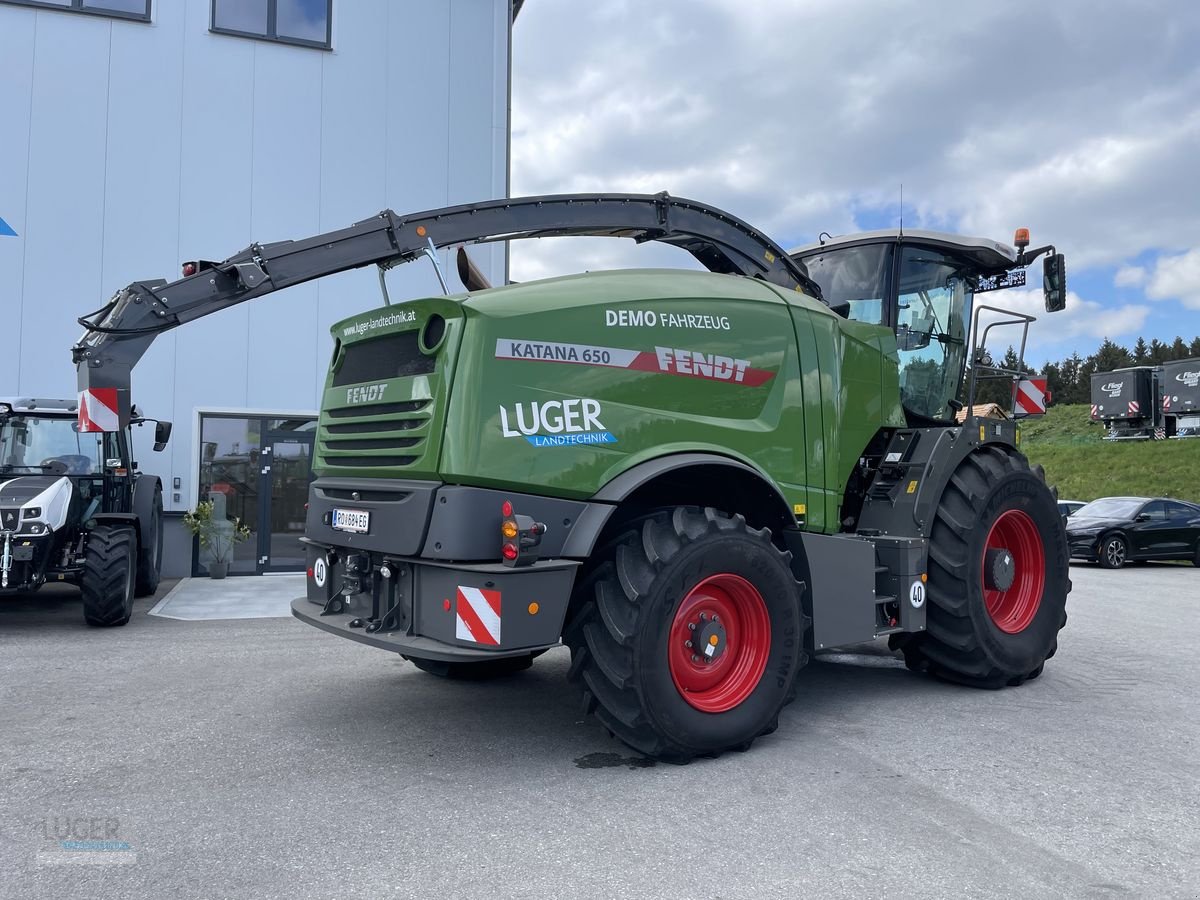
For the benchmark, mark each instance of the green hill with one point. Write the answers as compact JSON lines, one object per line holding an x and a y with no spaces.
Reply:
{"x":1084,"y":467}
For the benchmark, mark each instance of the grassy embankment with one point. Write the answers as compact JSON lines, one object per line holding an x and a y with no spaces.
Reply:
{"x":1084,"y":467}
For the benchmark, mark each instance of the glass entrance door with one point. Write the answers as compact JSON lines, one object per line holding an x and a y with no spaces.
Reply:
{"x":286,"y":472}
{"x":256,"y":470}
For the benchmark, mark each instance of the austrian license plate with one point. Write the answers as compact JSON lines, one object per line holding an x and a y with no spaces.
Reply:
{"x":355,"y":520}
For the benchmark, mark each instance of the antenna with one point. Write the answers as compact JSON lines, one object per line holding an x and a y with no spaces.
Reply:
{"x":902,"y":209}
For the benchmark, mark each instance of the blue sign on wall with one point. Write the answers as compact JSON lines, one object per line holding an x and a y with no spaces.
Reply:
{"x":6,"y":229}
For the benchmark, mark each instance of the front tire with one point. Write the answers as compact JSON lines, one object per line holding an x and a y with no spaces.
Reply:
{"x":998,"y":585}
{"x":108,"y":576}
{"x":692,"y":638}
{"x":1114,"y":552}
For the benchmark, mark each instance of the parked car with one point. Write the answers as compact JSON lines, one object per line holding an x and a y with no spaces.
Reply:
{"x":1116,"y":530}
{"x":1068,"y":508}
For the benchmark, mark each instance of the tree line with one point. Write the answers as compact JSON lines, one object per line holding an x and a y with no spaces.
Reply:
{"x":1070,"y":380}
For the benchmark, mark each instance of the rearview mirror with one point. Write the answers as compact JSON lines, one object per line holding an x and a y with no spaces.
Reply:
{"x":1054,"y":282}
{"x":162,"y":434}
{"x":1142,"y":517}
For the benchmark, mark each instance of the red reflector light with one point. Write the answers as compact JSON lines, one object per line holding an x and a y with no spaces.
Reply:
{"x":189,"y":269}
{"x":506,"y":509}
{"x":509,"y":551}
{"x":310,"y":573}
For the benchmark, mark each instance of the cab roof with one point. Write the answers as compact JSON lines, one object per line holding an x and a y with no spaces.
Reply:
{"x":40,"y":405}
{"x":987,"y":254}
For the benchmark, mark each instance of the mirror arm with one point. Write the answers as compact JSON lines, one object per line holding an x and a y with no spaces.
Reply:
{"x":1025,"y":257}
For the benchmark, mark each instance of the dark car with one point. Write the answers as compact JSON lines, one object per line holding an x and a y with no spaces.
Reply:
{"x":1117,"y":530}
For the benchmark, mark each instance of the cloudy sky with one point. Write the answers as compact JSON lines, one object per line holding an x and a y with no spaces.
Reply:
{"x":1077,"y":119}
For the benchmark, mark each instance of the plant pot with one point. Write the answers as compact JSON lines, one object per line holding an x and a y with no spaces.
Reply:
{"x":218,"y":569}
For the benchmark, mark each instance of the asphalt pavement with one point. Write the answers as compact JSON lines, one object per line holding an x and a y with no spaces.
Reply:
{"x":263,"y":758}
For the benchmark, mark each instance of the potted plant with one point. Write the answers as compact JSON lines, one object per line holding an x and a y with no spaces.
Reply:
{"x":218,"y":535}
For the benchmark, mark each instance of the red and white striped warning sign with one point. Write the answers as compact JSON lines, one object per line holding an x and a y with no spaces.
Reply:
{"x":1166,"y":402}
{"x":98,"y":410}
{"x":1095,"y":411}
{"x":1031,"y":397}
{"x":477,"y":615}
{"x":1133,"y":407}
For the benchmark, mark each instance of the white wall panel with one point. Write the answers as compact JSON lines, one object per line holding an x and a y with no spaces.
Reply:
{"x":16,"y":95}
{"x":141,"y":145}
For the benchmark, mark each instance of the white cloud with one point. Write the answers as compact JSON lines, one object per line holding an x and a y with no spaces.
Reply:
{"x":804,"y":116}
{"x":1081,"y":319}
{"x":1130,"y":276}
{"x":1178,"y":278}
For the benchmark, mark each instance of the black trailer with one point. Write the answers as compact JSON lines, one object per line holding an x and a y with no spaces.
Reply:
{"x":1125,"y":401}
{"x":1179,"y":383}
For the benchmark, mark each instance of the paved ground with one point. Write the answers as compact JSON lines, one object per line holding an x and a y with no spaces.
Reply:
{"x":262,"y":758}
{"x":194,"y":599}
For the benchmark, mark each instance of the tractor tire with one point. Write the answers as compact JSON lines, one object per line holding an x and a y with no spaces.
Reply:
{"x":108,"y":576}
{"x":474,"y":671}
{"x":998,"y":576}
{"x":149,"y":566}
{"x":1114,"y":552}
{"x":691,"y":640}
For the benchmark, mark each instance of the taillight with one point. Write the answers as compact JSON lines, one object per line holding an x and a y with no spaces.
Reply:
{"x":521,"y":537}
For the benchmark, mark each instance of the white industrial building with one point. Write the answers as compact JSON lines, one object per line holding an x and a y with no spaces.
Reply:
{"x":135,"y":134}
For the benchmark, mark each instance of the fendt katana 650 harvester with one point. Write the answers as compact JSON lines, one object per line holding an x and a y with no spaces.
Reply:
{"x":694,"y":479}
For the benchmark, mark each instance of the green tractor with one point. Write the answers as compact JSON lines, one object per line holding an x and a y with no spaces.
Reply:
{"x":694,"y":479}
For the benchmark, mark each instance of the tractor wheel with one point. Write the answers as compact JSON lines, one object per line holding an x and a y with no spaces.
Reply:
{"x":149,"y":567}
{"x":474,"y":671}
{"x":108,"y":575}
{"x":693,"y":635}
{"x":1114,"y":552}
{"x":997,"y":576}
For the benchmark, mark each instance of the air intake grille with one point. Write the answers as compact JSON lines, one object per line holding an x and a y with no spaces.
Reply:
{"x":383,"y":358}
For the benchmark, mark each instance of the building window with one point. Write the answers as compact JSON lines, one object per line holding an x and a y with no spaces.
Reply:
{"x":121,"y":9}
{"x":304,"y":22}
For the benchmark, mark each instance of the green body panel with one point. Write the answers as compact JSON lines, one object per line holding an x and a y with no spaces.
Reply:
{"x":558,"y":386}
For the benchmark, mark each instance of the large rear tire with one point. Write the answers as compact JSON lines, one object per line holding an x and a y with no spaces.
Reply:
{"x":692,"y":637}
{"x":998,"y":576}
{"x":108,"y":575}
{"x":149,"y":569}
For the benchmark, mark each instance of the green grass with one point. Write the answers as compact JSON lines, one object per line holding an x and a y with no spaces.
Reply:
{"x":1084,"y":467}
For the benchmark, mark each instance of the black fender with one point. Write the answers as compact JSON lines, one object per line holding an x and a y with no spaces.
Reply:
{"x":144,"y":508}
{"x":590,"y":525}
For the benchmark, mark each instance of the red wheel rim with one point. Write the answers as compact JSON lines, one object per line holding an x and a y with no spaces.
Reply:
{"x":719,"y":682}
{"x":1014,"y":608}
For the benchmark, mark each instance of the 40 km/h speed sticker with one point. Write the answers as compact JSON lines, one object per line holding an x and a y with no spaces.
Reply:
{"x":916,"y":595}
{"x":320,"y":571}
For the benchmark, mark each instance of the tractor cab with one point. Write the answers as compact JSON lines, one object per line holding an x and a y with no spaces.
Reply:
{"x":923,"y":286}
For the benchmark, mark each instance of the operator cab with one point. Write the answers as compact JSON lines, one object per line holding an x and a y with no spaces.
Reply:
{"x":922,"y":285}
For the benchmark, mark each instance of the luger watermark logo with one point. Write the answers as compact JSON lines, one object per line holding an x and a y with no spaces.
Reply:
{"x":556,"y":423}
{"x":6,"y":230}
{"x":84,"y":841}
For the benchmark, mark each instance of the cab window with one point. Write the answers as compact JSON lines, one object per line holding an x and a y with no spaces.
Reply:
{"x":933,"y":307}
{"x":853,"y":280}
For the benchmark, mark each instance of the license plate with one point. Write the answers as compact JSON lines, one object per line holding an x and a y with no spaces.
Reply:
{"x":355,"y":520}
